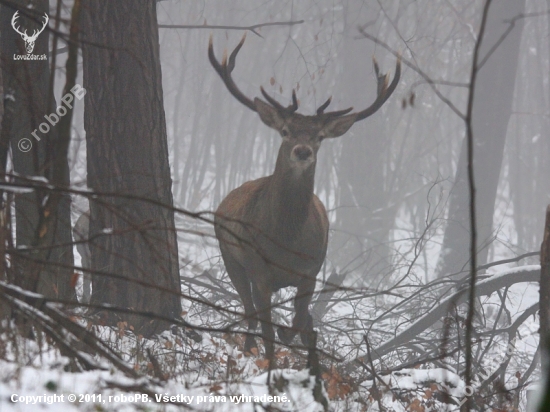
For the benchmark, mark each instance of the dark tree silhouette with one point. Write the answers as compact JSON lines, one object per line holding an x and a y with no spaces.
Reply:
{"x":27,"y":82}
{"x":127,"y":153}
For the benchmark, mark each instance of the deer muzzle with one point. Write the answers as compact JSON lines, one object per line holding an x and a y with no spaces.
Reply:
{"x":301,"y":153}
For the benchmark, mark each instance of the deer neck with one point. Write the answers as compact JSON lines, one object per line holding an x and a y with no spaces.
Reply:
{"x":290,"y":196}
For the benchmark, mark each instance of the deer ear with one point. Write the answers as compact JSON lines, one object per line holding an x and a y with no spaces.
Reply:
{"x":338,"y":126}
{"x":269,"y":114}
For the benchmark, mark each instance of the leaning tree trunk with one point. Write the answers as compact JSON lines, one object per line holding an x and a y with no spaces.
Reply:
{"x":492,"y":109}
{"x":47,"y":271}
{"x":127,"y":155}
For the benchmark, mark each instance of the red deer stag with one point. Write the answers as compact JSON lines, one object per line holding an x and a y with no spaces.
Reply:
{"x":273,"y":231}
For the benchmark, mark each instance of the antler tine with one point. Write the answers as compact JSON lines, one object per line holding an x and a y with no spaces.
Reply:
{"x":384,"y":91}
{"x":322,"y":108}
{"x":382,"y":80}
{"x":224,"y":70}
{"x":291,"y":108}
{"x":294,"y":106}
{"x":14,"y":22}
{"x":46,"y":20}
{"x":271,"y":100}
{"x":338,"y":113}
{"x":233,"y":55}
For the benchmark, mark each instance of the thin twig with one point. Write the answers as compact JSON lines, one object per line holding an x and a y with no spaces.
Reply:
{"x":375,"y":376}
{"x":472,"y":190}
{"x":221,"y":27}
{"x":428,"y":80}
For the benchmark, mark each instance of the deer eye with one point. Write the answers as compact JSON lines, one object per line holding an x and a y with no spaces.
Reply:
{"x":284,"y":132}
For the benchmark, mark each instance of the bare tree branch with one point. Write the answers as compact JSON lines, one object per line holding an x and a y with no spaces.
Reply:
{"x":221,"y":27}
{"x":483,"y":288}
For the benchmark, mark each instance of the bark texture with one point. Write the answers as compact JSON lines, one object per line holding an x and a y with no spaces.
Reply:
{"x":127,"y":154}
{"x":26,"y":82}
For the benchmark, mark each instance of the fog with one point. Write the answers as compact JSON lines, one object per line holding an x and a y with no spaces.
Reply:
{"x":388,"y":184}
{"x":108,"y":272}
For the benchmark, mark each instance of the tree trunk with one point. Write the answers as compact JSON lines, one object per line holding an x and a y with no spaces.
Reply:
{"x":492,"y":109}
{"x":27,"y":84}
{"x":545,"y":291}
{"x":127,"y":154}
{"x":528,"y":145}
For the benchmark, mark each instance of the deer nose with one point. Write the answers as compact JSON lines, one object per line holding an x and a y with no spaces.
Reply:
{"x":302,"y":152}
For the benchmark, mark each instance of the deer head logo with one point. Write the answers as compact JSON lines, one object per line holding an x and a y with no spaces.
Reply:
{"x":29,"y":40}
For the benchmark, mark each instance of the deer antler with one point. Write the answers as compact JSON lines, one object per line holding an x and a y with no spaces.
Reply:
{"x":224,"y":70}
{"x":384,"y":91}
{"x":37,"y":32}
{"x":13,"y":23}
{"x":289,"y":109}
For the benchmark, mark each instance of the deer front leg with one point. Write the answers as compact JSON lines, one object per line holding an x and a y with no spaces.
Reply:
{"x":239,"y":279}
{"x":262,"y":300}
{"x":302,"y":322}
{"x":250,"y":314}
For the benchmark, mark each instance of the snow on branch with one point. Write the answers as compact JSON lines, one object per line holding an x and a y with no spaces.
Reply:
{"x":485,"y":287}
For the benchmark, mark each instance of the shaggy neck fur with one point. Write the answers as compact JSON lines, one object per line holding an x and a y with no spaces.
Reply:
{"x":290,"y":196}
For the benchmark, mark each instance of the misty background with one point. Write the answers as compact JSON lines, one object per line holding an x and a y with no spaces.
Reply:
{"x":394,"y":186}
{"x":390,"y":185}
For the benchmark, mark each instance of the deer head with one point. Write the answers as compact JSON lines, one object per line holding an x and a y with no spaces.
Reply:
{"x":302,"y":134}
{"x":29,"y":40}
